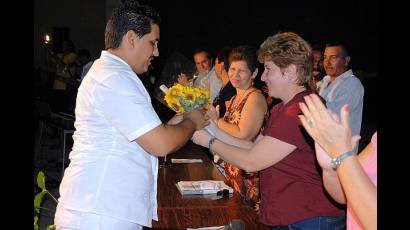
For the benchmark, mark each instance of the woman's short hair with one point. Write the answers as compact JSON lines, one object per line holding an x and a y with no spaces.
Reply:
{"x":286,"y":48}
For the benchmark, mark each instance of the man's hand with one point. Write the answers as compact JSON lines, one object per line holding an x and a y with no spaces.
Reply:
{"x":197,"y":116}
{"x":177,"y":118}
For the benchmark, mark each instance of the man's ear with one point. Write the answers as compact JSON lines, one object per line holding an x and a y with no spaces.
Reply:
{"x":130,"y":38}
{"x":254,"y":74}
{"x":347,"y":60}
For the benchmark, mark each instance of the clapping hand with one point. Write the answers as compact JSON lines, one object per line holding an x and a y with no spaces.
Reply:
{"x":182,"y":78}
{"x":330,"y":132}
{"x":213,"y":113}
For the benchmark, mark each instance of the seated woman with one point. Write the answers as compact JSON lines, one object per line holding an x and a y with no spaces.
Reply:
{"x":243,"y":118}
{"x":292,"y":194}
{"x":347,"y":178}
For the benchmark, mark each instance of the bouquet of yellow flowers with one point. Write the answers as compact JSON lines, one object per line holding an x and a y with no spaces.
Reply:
{"x":184,"y":98}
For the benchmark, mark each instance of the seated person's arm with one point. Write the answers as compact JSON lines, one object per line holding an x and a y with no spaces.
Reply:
{"x":252,"y":117}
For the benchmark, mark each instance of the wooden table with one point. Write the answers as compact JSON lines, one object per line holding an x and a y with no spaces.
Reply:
{"x":179,"y":212}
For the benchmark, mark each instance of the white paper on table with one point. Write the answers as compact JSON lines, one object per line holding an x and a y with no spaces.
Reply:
{"x":173,"y":160}
{"x":208,"y":228}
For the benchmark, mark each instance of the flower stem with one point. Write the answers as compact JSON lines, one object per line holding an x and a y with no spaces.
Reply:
{"x":52,"y":196}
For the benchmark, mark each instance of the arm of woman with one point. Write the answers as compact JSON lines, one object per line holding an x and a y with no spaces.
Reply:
{"x":265,"y":152}
{"x":360,"y":192}
{"x":335,"y":137}
{"x":252,"y":117}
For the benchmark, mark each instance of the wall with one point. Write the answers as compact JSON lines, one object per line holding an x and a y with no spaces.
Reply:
{"x":85,"y":20}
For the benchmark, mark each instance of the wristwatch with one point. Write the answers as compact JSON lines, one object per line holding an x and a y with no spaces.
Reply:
{"x":335,"y":163}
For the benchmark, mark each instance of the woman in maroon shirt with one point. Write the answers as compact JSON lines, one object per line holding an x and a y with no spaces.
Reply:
{"x":292,"y":193}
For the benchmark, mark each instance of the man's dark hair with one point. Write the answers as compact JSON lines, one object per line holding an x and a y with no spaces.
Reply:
{"x":70,"y":44}
{"x":223,"y":56}
{"x":317,"y":47}
{"x":200,"y":50}
{"x":129,"y":16}
{"x":84,"y":53}
{"x":244,"y":53}
{"x":341,"y":44}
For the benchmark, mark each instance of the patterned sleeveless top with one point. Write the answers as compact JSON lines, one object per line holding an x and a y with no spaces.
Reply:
{"x":247,"y":184}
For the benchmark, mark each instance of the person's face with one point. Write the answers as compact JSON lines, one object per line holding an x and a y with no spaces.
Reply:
{"x":317,"y":60}
{"x":219,"y":68}
{"x":240,"y":75}
{"x":274,"y":79}
{"x":145,"y":49}
{"x":333,"y":62}
{"x":203,"y":64}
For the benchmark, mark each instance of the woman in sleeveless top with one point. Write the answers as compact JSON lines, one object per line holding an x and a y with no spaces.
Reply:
{"x":244,"y":117}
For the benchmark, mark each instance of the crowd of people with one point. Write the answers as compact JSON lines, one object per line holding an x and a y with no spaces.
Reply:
{"x":270,"y":153}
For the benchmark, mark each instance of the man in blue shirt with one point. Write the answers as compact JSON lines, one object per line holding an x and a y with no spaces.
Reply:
{"x":340,"y":86}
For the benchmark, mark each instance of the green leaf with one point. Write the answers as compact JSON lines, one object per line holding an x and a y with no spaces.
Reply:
{"x":41,"y":180}
{"x":38,"y":199}
{"x":51,"y":227}
{"x":35,"y":222}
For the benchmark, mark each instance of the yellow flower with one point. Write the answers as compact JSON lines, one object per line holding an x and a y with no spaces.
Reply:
{"x":182,"y":98}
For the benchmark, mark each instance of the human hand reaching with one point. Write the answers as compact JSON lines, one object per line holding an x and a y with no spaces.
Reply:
{"x":201,"y":137}
{"x":177,"y":118}
{"x":198,"y":117}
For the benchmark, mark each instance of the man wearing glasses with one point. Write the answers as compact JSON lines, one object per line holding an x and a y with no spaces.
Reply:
{"x":340,"y":86}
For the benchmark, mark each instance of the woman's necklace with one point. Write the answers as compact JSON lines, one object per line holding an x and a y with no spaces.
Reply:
{"x":236,"y":103}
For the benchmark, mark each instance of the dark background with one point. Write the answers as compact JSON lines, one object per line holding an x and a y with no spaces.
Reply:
{"x":187,"y":25}
{"x":214,"y":24}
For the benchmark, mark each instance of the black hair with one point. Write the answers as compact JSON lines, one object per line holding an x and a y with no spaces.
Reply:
{"x":70,"y":44}
{"x":223,"y":56}
{"x":85,"y":53}
{"x":341,"y":44}
{"x":200,"y":50}
{"x":129,"y":16}
{"x":317,"y":47}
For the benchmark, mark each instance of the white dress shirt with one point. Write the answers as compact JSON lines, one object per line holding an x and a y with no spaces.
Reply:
{"x":110,"y":173}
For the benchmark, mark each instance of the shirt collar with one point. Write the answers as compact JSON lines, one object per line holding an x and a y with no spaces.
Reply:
{"x":340,"y":77}
{"x":108,"y":55}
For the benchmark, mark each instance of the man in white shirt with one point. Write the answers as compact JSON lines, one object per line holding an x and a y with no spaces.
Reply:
{"x":111,"y":182}
{"x":340,"y":86}
{"x":205,"y":76}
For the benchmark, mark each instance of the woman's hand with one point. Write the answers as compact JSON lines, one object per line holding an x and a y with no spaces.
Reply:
{"x":201,"y":137}
{"x":324,"y":158}
{"x":213,"y":113}
{"x":332,"y":134}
